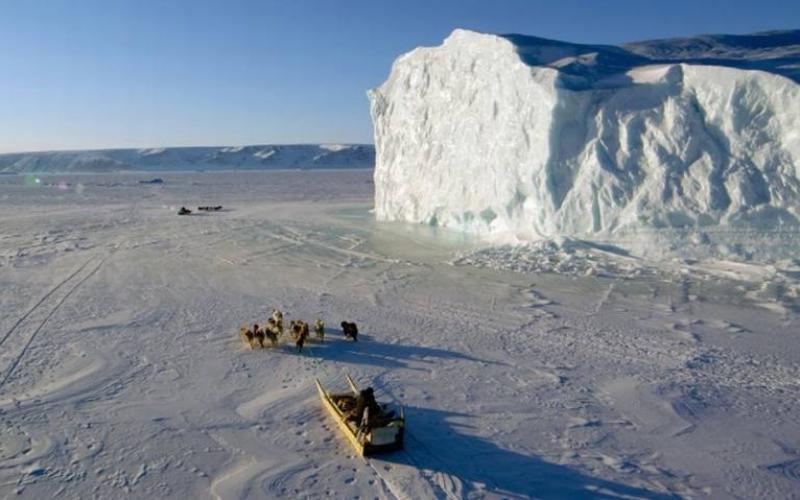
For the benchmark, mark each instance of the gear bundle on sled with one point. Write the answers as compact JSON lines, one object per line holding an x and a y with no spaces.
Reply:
{"x":381,"y":431}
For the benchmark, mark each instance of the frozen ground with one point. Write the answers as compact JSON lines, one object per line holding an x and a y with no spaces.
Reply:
{"x":121,"y":371}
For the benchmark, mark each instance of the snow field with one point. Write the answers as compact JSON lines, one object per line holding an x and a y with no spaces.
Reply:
{"x":121,"y":370}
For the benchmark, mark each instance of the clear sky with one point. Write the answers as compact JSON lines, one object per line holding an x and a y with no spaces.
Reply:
{"x":80,"y":74}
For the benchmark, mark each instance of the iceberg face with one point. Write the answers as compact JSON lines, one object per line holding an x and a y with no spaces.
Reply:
{"x":525,"y":138}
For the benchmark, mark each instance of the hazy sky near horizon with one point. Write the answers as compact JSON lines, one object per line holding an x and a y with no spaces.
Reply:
{"x":79,"y":74}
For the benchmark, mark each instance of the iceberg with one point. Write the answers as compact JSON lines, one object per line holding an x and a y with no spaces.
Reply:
{"x":518,"y":138}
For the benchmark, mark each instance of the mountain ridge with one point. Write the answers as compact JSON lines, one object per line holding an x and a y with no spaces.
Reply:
{"x":181,"y":158}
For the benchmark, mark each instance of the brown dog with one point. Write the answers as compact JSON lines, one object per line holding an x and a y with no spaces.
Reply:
{"x":296,"y":327}
{"x":272,"y":331}
{"x":258,"y":335}
{"x":272,"y":335}
{"x":319,"y":330}
{"x":246,"y":335}
{"x":299,"y":329}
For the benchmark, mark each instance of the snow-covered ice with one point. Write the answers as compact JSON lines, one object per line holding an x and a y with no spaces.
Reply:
{"x":121,"y":372}
{"x":521,"y":139}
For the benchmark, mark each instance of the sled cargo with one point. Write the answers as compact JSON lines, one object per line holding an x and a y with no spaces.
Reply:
{"x":386,"y":433}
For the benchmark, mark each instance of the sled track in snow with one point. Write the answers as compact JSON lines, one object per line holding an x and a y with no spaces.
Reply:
{"x":75,"y":277}
{"x":789,"y":469}
{"x":297,"y":239}
{"x":447,"y":482}
{"x":444,"y":483}
{"x":42,"y":301}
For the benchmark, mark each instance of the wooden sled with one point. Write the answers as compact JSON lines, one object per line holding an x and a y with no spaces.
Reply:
{"x":383,"y":436}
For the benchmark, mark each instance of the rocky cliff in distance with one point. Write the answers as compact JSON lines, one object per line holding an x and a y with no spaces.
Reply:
{"x":267,"y":157}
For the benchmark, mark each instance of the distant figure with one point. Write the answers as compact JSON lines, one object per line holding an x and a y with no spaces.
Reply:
{"x":365,"y":399}
{"x":301,"y":339}
{"x":184,"y":211}
{"x":350,"y":330}
{"x":319,"y":330}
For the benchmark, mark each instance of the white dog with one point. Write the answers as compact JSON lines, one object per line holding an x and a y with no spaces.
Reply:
{"x":277,"y":315}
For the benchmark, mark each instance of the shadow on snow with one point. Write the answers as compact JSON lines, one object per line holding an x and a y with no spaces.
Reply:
{"x":434,"y":444}
{"x":368,"y":351}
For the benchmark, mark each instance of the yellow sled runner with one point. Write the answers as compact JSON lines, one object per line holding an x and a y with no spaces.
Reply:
{"x":375,"y":434}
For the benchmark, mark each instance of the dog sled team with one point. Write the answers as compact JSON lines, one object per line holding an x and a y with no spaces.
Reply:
{"x":207,"y":208}
{"x":256,"y":336}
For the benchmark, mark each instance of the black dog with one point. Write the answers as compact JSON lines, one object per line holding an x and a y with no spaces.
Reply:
{"x":350,"y":330}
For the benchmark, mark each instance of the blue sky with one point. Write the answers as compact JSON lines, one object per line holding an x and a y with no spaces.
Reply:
{"x":89,"y":73}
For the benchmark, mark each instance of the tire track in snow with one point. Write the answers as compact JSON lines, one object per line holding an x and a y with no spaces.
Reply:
{"x":16,"y":359}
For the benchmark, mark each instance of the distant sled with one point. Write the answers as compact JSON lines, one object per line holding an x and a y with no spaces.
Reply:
{"x":157,"y":180}
{"x":386,"y":432}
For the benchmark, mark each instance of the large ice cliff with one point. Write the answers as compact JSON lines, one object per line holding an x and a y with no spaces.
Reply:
{"x":530,"y":138}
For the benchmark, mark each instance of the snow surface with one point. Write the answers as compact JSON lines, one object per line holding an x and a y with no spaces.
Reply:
{"x":264,"y":157}
{"x":522,"y":139}
{"x":574,"y":371}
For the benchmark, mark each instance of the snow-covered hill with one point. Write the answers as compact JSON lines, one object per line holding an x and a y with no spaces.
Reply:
{"x":194,"y":158}
{"x":528,"y":138}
